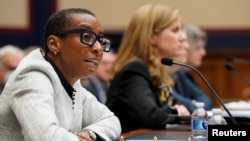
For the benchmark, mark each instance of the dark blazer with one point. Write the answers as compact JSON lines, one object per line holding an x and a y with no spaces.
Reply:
{"x":97,"y":88}
{"x":185,"y":91}
{"x":92,"y":88}
{"x":133,"y":98}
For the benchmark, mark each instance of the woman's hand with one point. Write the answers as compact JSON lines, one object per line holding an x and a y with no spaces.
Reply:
{"x":182,"y":110}
{"x":83,"y":136}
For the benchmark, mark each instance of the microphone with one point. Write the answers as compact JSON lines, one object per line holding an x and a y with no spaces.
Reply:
{"x":239,"y":60}
{"x":230,"y":68}
{"x":170,"y":62}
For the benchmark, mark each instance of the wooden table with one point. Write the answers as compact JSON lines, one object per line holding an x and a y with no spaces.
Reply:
{"x":149,"y":134}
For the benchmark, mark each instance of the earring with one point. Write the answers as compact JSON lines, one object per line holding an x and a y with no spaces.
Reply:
{"x":55,"y":52}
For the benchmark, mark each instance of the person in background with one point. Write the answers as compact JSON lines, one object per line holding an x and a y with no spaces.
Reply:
{"x":28,"y":49}
{"x":185,"y":89}
{"x":43,"y":99}
{"x":99,"y":83}
{"x":197,"y":38}
{"x":139,"y":91}
{"x":10,"y":56}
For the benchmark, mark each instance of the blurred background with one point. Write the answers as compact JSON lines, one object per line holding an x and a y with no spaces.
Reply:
{"x":227,"y":23}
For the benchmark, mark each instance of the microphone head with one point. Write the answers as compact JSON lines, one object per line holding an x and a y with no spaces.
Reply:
{"x":167,"y":61}
{"x":229,"y":67}
{"x":230,"y":58}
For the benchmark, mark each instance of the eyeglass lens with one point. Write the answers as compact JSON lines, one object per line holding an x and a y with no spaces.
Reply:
{"x":90,"y":38}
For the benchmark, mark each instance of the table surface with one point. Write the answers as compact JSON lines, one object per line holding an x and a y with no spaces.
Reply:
{"x":150,"y":134}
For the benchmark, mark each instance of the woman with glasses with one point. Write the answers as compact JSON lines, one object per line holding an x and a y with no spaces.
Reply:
{"x":139,"y":92}
{"x":197,"y":39}
{"x":43,"y":99}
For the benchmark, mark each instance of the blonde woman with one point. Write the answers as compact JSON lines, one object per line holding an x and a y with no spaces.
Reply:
{"x":139,"y":93}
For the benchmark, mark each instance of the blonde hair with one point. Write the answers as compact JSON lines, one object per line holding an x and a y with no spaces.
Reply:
{"x":136,"y":43}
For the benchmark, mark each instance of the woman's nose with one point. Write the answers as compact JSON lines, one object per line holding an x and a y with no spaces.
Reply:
{"x":97,"y":47}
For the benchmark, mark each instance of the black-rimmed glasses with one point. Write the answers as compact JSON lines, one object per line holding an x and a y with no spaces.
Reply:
{"x":89,"y":38}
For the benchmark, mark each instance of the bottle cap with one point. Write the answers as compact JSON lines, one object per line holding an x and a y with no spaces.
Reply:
{"x":216,"y":110}
{"x":199,"y":104}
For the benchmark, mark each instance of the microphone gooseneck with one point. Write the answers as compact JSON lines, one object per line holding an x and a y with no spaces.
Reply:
{"x":230,"y":58}
{"x":231,"y":69}
{"x":239,"y":60}
{"x":165,"y":61}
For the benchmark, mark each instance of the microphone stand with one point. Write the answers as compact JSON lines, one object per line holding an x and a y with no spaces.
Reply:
{"x":217,"y":97}
{"x":231,"y":69}
{"x":239,"y":60}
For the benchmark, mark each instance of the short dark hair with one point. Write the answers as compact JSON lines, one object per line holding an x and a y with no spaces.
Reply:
{"x":58,"y":21}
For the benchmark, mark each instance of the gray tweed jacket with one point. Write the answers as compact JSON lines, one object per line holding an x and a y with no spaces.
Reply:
{"x":34,"y":106}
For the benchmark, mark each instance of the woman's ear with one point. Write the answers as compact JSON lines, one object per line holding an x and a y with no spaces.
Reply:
{"x":154,"y":40}
{"x":53,"y":43}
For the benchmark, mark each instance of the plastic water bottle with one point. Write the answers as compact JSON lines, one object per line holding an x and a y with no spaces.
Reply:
{"x":199,"y":123}
{"x":216,"y":118}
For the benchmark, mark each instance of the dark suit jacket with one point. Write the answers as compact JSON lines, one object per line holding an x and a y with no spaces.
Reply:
{"x":133,"y":98}
{"x":97,"y":88}
{"x":185,"y":91}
